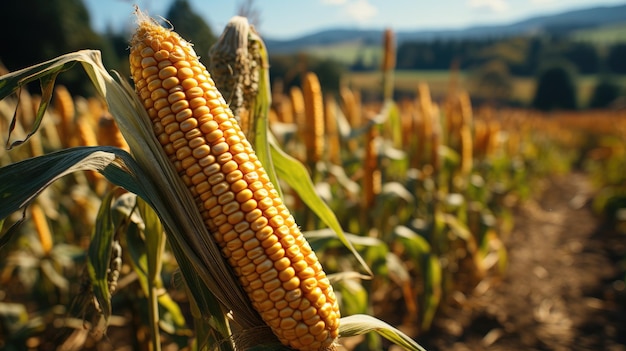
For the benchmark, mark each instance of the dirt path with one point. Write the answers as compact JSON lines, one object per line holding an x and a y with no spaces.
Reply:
{"x":561,"y":291}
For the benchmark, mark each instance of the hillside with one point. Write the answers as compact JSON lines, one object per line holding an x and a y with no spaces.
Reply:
{"x":561,"y":23}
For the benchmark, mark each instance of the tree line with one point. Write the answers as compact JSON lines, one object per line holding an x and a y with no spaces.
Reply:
{"x":523,"y":56}
{"x":44,"y":29}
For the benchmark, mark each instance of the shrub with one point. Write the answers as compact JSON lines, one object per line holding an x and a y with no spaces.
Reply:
{"x":556,"y":88}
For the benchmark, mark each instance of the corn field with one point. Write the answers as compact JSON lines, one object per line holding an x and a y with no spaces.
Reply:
{"x":150,"y":216}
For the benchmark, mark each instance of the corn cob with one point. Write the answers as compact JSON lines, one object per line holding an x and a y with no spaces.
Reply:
{"x":480,"y":137}
{"x":389,"y":63}
{"x":297,"y":105}
{"x":314,"y":115}
{"x":424,"y":123}
{"x":109,"y":133}
{"x":115,"y":266}
{"x":64,"y":105}
{"x":86,"y":136}
{"x":284,"y":109}
{"x":332,"y":130}
{"x":389,"y":50}
{"x":351,"y":105}
{"x":42,"y":228}
{"x":235,"y":65}
{"x":299,"y":117}
{"x":435,"y":137}
{"x":256,"y":232}
{"x":352,"y":109}
{"x":466,"y":133}
{"x":493,"y":137}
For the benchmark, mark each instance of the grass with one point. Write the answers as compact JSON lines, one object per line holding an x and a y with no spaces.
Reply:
{"x":605,"y":35}
{"x":347,"y":52}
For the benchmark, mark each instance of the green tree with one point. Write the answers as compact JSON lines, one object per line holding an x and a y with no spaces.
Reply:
{"x":584,"y":56}
{"x":329,"y":73}
{"x":616,"y":59}
{"x":492,"y":81}
{"x":556,"y":88}
{"x":604,"y":93}
{"x":39,"y":30}
{"x":192,"y":28}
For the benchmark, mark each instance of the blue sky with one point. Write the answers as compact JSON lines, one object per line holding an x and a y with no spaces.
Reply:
{"x":285,"y":19}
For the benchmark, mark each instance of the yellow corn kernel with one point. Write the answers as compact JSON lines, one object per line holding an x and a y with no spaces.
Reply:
{"x":255,"y":231}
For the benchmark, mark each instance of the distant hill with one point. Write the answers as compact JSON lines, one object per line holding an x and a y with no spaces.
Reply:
{"x":562,"y":23}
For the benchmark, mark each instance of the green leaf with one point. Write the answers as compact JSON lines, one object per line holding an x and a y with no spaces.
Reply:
{"x":259,"y":116}
{"x":145,"y":243}
{"x":22,"y":182}
{"x":296,"y":175}
{"x":140,"y":259}
{"x":415,"y":245}
{"x":354,"y":297}
{"x":12,"y":81}
{"x":46,"y":72}
{"x":204,"y":304}
{"x":99,"y":255}
{"x":432,"y":291}
{"x":458,"y":228}
{"x":361,"y":324}
{"x":155,"y":240}
{"x":397,"y":269}
{"x":326,"y":238}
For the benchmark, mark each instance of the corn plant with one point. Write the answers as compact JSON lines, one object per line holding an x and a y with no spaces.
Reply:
{"x":173,"y":116}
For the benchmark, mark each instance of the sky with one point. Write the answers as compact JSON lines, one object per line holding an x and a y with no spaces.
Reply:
{"x":288,"y":19}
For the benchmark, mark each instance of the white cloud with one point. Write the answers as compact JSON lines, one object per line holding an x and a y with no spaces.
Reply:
{"x":493,"y":5}
{"x":541,"y":2}
{"x":360,"y":10}
{"x":334,"y":2}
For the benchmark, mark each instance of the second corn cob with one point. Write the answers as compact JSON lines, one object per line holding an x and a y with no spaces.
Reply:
{"x":257,"y":234}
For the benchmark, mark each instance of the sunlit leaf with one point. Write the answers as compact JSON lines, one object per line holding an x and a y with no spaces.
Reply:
{"x":46,"y":72}
{"x":259,"y":115}
{"x":397,"y":269}
{"x":326,"y":238}
{"x":154,"y":237}
{"x":458,"y":228}
{"x":414,"y":245}
{"x":353,"y":297}
{"x":361,"y":324}
{"x":296,"y":175}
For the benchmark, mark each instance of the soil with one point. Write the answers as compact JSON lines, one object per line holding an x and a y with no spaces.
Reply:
{"x":564,"y":287}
